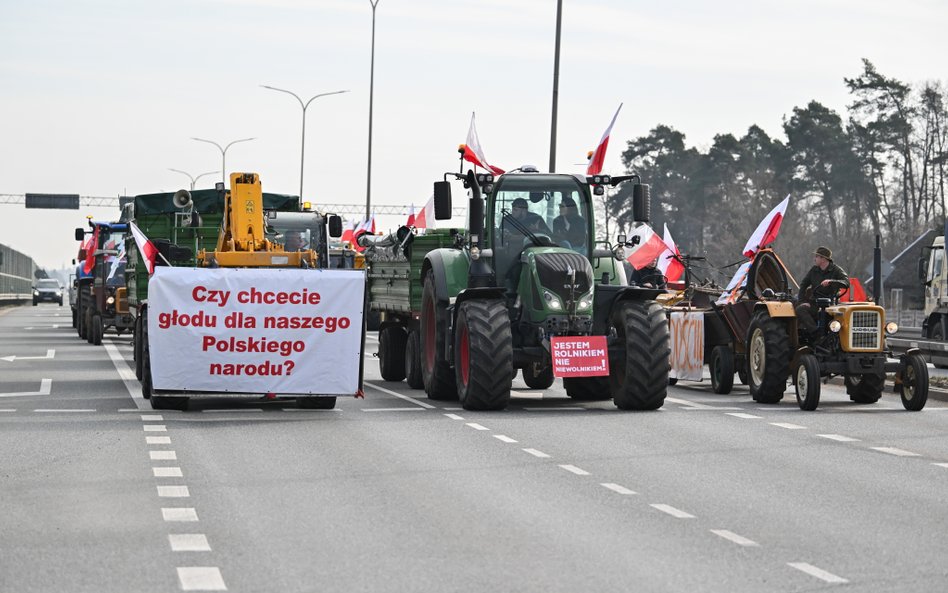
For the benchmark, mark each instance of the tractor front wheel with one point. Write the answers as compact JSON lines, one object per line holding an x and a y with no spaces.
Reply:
{"x":914,"y":373}
{"x":483,"y":355}
{"x":768,"y":358}
{"x":807,"y":382}
{"x":638,"y":377}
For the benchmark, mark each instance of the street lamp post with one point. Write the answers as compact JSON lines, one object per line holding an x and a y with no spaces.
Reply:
{"x":556,"y":83}
{"x":192,"y":177}
{"x":304,"y":106}
{"x":368,"y":180}
{"x":223,"y":150}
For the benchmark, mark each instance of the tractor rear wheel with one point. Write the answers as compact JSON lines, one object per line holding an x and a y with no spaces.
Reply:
{"x":538,"y":375}
{"x":864,"y":389}
{"x":392,"y":341}
{"x":483,"y":355}
{"x":768,"y":358}
{"x":807,"y":382}
{"x":914,"y":374}
{"x":413,"y":373}
{"x":587,"y":388}
{"x":722,"y":369}
{"x":438,"y":376}
{"x":638,"y":376}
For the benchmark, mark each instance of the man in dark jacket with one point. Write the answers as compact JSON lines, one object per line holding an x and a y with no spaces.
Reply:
{"x":569,"y":226}
{"x":824,"y":280}
{"x":648,"y":276}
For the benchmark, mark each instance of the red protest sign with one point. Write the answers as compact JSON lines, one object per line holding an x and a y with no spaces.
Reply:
{"x":580,"y":356}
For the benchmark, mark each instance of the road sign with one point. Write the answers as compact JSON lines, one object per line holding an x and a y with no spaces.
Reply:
{"x":53,"y":201}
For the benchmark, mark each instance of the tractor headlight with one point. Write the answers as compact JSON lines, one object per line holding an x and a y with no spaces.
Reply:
{"x":891,"y":327}
{"x":585,"y":302}
{"x":475,"y":253}
{"x":552,"y":301}
{"x":110,"y":301}
{"x":835,"y":326}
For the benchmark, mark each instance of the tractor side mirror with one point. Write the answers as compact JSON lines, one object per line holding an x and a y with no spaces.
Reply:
{"x":80,"y":234}
{"x":641,"y":203}
{"x":335,"y":226}
{"x":442,"y":200}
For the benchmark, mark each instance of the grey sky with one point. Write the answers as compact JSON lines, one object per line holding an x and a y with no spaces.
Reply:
{"x":101,"y":97}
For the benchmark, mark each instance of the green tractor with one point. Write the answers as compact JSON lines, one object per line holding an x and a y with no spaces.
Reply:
{"x":492,"y":301}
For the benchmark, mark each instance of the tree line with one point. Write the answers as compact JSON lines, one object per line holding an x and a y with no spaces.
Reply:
{"x":878,"y":169}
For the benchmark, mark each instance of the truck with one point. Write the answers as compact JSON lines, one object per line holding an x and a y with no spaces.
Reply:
{"x":462,"y":310}
{"x":217,"y":229}
{"x":101,"y":296}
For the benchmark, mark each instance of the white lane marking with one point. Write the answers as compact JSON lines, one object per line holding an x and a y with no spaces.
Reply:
{"x":179,"y":515}
{"x":690,"y":404}
{"x":188,"y":542}
{"x":127,"y":375}
{"x":46,"y":386}
{"x":536,"y":453}
{"x":129,"y":410}
{"x":201,"y":578}
{"x":817,"y":572}
{"x":617,"y":488}
{"x":838,"y":437}
{"x":49,"y":356}
{"x":157,"y":440}
{"x":152,"y":418}
{"x":163,"y":455}
{"x":788,"y":425}
{"x":454,"y":417}
{"x":575,"y":470}
{"x":65,"y":410}
{"x":167,"y":472}
{"x":504,"y":438}
{"x":476,"y":426}
{"x":560,"y":409}
{"x":173,"y":492}
{"x":393,"y":410}
{"x":742,"y":415}
{"x":731,"y":536}
{"x":941,"y":464}
{"x":399,"y":395}
{"x":155,"y":428}
{"x":8,"y":410}
{"x":895,"y":451}
{"x":677,"y":513}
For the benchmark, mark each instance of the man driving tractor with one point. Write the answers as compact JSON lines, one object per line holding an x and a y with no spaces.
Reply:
{"x":824,"y":280}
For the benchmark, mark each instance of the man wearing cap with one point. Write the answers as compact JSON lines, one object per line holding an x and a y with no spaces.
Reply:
{"x":569,"y":226}
{"x":824,"y":280}
{"x":534,"y":222}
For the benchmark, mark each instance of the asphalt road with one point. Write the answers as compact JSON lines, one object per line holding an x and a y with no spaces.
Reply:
{"x":396,"y":493}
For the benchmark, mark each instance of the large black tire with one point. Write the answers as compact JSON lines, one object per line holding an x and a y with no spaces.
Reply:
{"x":722,"y":369}
{"x":147,"y":387}
{"x":75,"y":319}
{"x":392,"y":340}
{"x":638,"y":375}
{"x":806,"y":379}
{"x":768,"y":358}
{"x":413,"y":374}
{"x":587,"y":388}
{"x":538,"y":375}
{"x":317,"y":403}
{"x":137,"y":340}
{"x":90,"y":329}
{"x":81,"y":324}
{"x":864,"y":389}
{"x":98,"y":329}
{"x":914,"y":373}
{"x":741,"y":365}
{"x":437,"y":374}
{"x":483,"y":354}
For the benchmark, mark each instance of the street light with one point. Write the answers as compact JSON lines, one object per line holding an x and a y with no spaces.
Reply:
{"x":368,"y":176}
{"x":304,"y":106}
{"x":192,"y":177}
{"x":223,"y":150}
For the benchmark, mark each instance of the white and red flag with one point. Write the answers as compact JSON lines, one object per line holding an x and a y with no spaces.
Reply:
{"x":411,"y":215}
{"x":146,"y":248}
{"x":599,"y":155}
{"x":426,"y":218}
{"x":473,"y":153}
{"x":347,"y":235}
{"x":650,"y":247}
{"x":767,"y":230}
{"x":670,"y":265}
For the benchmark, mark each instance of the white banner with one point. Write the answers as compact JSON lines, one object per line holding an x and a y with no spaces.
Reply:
{"x":254,"y":330}
{"x":687,"y":345}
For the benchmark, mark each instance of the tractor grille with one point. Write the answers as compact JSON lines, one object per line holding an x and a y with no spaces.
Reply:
{"x":865,"y":331}
{"x":552,"y":268}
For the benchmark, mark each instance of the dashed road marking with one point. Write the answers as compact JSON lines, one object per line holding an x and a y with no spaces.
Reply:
{"x":173,"y":492}
{"x":393,"y":409}
{"x":476,"y":426}
{"x":162,"y":455}
{"x":8,"y":410}
{"x":558,"y":409}
{"x":817,"y":572}
{"x":536,"y":453}
{"x":941,"y":464}
{"x":677,"y":513}
{"x":399,"y":395}
{"x":152,"y":417}
{"x":64,"y":410}
{"x":731,"y":536}
{"x":838,"y":437}
{"x":895,"y":451}
{"x":454,"y":417}
{"x":157,"y":440}
{"x":201,"y":578}
{"x":188,"y":542}
{"x":788,"y":425}
{"x":617,"y":488}
{"x":167,"y":472}
{"x":504,"y":438}
{"x":742,"y":415}
{"x":575,"y":470}
{"x":155,"y":428}
{"x":179,"y":515}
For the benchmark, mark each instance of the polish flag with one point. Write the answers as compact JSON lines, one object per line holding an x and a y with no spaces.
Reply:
{"x":347,"y":234}
{"x":767,"y":230}
{"x":146,"y":248}
{"x":90,"y":252}
{"x":670,"y":267}
{"x":650,"y":247}
{"x":411,"y":216}
{"x":599,"y":155}
{"x":473,"y":153}
{"x":426,"y":214}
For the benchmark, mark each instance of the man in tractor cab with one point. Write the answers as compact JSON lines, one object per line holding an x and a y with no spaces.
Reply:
{"x":569,"y":228}
{"x":824,"y":280}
